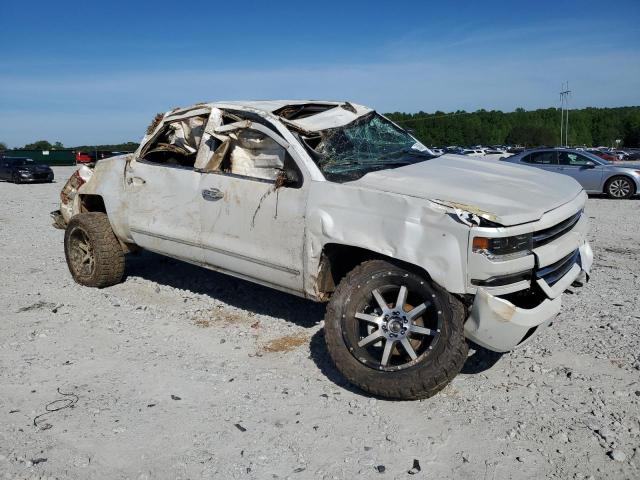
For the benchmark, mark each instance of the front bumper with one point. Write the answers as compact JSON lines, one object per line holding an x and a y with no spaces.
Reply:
{"x":35,"y":178}
{"x":499,"y":325}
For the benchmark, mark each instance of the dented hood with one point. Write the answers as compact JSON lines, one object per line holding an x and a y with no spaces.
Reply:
{"x":509,"y":194}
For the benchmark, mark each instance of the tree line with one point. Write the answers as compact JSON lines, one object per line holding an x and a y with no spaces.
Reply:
{"x":46,"y":145}
{"x":587,"y":126}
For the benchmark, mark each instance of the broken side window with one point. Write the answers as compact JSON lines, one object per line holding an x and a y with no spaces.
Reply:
{"x":250,"y":153}
{"x":368,"y":144}
{"x":177,"y":143}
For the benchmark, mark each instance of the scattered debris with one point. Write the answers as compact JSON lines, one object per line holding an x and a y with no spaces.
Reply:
{"x":36,"y":461}
{"x":617,"y":455}
{"x":239,"y":427}
{"x":57,"y":405}
{"x":14,"y":411}
{"x":415,"y":468}
{"x":380,"y":468}
{"x":39,"y":305}
{"x":175,"y":397}
{"x":151,"y":405}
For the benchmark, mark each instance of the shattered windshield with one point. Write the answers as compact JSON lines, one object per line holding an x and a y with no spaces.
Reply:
{"x":368,"y":144}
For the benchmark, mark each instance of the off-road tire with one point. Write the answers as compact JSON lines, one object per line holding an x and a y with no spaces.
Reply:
{"x":608,"y":187}
{"x":108,"y":257}
{"x":421,"y":380}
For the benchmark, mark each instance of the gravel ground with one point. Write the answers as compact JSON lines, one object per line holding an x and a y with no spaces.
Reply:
{"x":183,"y":373}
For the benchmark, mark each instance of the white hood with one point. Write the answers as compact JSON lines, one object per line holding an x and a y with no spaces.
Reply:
{"x":510,"y":194}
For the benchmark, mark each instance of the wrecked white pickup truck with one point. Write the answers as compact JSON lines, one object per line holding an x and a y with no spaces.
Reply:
{"x":332,"y":201}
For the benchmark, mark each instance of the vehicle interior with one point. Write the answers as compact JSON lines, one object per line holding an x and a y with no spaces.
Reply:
{"x":244,"y":152}
{"x":177,"y":143}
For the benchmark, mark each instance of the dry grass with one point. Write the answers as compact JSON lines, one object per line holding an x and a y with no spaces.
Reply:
{"x":286,"y":343}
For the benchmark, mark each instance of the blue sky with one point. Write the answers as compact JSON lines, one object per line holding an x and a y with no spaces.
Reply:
{"x":96,"y":72}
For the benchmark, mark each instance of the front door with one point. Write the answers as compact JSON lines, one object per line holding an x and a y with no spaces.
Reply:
{"x":587,"y":172}
{"x":250,"y":225}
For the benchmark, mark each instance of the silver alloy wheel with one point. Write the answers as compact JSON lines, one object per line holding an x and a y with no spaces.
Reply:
{"x":620,"y":188}
{"x":399,"y":329}
{"x":81,"y":251}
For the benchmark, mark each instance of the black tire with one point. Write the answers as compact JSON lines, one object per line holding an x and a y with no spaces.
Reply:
{"x":620,"y":187}
{"x":436,"y":360}
{"x":94,"y":255}
{"x":15,"y":179}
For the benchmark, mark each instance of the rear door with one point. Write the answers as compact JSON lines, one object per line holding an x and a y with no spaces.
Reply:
{"x":163,"y":189}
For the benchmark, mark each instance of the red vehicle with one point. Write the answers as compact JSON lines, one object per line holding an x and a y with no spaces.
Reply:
{"x":604,"y":155}
{"x":83,"y":157}
{"x":90,"y":157}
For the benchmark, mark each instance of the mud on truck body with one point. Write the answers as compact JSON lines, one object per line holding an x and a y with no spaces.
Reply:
{"x":417,"y":255}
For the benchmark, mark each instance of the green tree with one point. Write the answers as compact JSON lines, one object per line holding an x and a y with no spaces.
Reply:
{"x":588,"y":126}
{"x":3,"y":147}
{"x":39,"y":145}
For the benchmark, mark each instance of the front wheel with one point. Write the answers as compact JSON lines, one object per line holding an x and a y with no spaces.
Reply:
{"x":393,"y":333}
{"x":620,"y":188}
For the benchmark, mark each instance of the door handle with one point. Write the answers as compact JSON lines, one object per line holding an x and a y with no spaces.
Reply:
{"x":212,"y":194}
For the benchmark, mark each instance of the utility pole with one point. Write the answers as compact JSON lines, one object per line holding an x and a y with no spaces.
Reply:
{"x":564,"y":122}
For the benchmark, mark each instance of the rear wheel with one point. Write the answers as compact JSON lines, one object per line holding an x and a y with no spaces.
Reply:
{"x":15,"y":178}
{"x":94,"y":255}
{"x":619,"y":187}
{"x":393,"y":333}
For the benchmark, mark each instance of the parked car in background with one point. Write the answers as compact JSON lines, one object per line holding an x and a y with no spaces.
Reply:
{"x":24,"y":170}
{"x":495,"y":151}
{"x":84,"y":158}
{"x":333,"y":202}
{"x":631,"y":155}
{"x":596,"y":175}
{"x":472,"y":152}
{"x":609,"y":157}
{"x":93,"y":156}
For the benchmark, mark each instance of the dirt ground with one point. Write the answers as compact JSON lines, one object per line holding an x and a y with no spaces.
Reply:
{"x":183,"y":373}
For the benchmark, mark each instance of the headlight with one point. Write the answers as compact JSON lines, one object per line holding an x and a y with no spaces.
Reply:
{"x":515,"y":246}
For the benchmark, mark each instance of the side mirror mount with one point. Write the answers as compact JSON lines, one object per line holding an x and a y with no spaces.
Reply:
{"x":288,"y":177}
{"x":590,"y":164}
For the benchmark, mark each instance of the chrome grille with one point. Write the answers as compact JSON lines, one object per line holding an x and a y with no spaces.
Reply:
{"x":554,"y":272}
{"x":542,"y":237}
